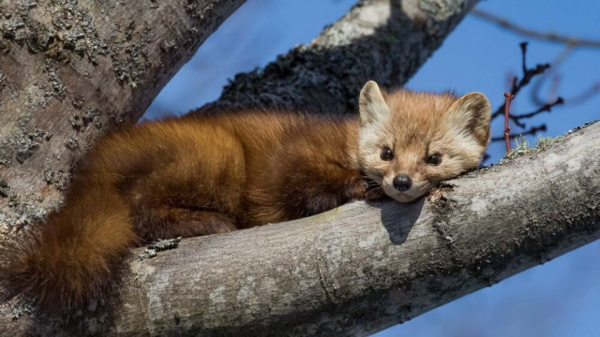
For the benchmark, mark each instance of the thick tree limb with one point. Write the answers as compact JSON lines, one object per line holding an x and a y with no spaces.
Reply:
{"x":70,"y":70}
{"x":382,"y":40}
{"x":360,"y":268}
{"x":353,"y":270}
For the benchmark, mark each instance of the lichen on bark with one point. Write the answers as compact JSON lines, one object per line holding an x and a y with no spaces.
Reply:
{"x":385,"y":41}
{"x":67,"y":65}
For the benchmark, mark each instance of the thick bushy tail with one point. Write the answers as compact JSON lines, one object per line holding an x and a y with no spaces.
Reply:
{"x":70,"y":258}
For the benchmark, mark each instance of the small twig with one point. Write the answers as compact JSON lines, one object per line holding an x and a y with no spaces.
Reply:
{"x":507,"y":98}
{"x":571,"y":43}
{"x":545,"y":108}
{"x":531,"y":132}
{"x":555,"y":64}
{"x":593,"y":90}
{"x":528,"y":74}
{"x":545,"y":36}
{"x":516,"y":85}
{"x":523,"y":46}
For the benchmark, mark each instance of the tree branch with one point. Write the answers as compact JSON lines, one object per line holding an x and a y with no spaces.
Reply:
{"x":359,"y":268}
{"x":381,"y":40}
{"x":70,"y":71}
{"x":507,"y":98}
{"x":532,"y":131}
{"x":516,"y":86}
{"x":582,"y":97}
{"x":544,"y":108}
{"x":544,"y":36}
{"x":571,"y":43}
{"x":354,"y":270}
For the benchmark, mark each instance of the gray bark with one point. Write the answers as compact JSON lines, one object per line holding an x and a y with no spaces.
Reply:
{"x":353,"y":270}
{"x":359,"y":268}
{"x":71,"y":70}
{"x":382,"y":40}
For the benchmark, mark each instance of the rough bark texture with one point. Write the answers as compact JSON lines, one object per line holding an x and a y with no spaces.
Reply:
{"x":69,"y":71}
{"x":382,"y":40}
{"x":90,"y":66}
{"x":359,"y":268}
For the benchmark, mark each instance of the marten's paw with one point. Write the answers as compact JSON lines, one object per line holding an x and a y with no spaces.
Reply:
{"x":356,"y":189}
{"x":375,"y":195}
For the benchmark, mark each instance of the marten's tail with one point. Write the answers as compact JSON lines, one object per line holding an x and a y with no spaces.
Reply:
{"x":71,"y":256}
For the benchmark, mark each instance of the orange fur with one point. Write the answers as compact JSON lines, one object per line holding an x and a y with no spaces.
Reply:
{"x":204,"y":175}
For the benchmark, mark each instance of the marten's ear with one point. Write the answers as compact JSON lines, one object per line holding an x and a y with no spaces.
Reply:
{"x":372,"y":105}
{"x":470,"y":115}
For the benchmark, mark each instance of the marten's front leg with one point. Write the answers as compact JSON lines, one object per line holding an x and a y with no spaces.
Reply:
{"x":314,"y":189}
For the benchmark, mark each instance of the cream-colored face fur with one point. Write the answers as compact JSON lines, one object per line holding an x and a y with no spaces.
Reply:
{"x":415,"y":126}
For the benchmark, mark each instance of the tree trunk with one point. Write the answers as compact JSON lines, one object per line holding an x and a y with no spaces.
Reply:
{"x":359,"y":268}
{"x":71,"y":70}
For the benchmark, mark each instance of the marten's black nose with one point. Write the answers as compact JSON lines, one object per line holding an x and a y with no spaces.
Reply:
{"x":402,"y":183}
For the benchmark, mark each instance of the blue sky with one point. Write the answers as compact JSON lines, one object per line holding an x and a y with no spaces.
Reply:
{"x":559,"y":298}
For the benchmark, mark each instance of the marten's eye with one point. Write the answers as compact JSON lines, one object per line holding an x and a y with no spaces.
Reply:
{"x":387,"y":154}
{"x":434,"y":160}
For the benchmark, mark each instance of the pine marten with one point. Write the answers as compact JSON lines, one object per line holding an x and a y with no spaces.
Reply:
{"x":204,"y":175}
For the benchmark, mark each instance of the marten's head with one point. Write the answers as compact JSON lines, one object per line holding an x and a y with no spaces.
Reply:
{"x":409,"y":141}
